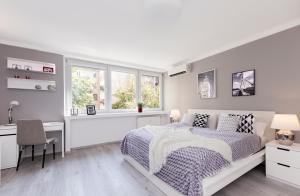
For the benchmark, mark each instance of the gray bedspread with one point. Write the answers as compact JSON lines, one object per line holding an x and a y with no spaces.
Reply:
{"x":186,"y":168}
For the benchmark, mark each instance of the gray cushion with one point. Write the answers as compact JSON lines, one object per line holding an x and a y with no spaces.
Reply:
{"x":228,"y":123}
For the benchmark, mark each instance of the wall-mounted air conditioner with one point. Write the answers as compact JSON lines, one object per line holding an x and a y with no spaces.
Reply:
{"x":180,"y":69}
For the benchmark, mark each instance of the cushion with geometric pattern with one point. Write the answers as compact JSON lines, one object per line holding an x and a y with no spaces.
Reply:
{"x":200,"y":120}
{"x":228,"y":123}
{"x":246,"y":124}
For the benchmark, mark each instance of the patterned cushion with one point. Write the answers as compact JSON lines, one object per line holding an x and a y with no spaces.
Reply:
{"x":228,"y":123}
{"x":246,"y":124}
{"x":200,"y":120}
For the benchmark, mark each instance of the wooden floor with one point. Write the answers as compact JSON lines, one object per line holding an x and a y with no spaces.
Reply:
{"x":101,"y":171}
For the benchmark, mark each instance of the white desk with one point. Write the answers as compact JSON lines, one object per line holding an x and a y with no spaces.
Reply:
{"x":9,"y":142}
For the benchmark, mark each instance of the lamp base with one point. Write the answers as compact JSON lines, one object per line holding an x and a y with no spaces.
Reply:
{"x":285,"y":137}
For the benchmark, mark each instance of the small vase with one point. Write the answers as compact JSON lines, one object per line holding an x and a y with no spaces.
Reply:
{"x":140,"y":109}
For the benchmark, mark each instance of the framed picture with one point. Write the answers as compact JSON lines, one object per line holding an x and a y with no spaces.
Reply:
{"x":243,"y":83}
{"x":207,"y":84}
{"x":90,"y":110}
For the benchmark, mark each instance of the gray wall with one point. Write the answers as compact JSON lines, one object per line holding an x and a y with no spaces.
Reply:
{"x":277,"y":63}
{"x":48,"y":106}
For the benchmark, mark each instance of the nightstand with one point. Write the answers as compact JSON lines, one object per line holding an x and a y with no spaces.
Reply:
{"x":283,"y":163}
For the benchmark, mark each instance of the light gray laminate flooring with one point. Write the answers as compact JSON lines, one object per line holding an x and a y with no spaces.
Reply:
{"x":101,"y":171}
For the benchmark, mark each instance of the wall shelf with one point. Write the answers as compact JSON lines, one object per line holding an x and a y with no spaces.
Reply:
{"x":30,"y":84}
{"x":30,"y":66}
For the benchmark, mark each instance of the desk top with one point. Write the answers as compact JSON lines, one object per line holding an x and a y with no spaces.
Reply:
{"x":46,"y":124}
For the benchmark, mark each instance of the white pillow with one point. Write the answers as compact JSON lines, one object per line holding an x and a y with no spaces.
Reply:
{"x":228,"y":123}
{"x":188,"y":119}
{"x":260,"y":128}
{"x":212,"y":121}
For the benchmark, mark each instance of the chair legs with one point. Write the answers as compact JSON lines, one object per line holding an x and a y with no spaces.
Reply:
{"x":44,"y":153}
{"x":32,"y":152}
{"x":53,"y":150}
{"x":20,"y":156}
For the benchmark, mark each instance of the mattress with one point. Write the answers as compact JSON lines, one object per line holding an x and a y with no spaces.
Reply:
{"x":186,"y":168}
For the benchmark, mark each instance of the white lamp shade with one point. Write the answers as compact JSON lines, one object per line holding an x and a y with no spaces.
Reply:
{"x":175,"y":114}
{"x":286,"y":122}
{"x":14,"y":103}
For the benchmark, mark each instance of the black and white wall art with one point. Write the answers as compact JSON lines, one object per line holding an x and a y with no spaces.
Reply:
{"x":207,"y":84}
{"x":243,"y":83}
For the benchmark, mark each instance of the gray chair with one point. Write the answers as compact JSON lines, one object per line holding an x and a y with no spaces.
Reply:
{"x":31,"y":133}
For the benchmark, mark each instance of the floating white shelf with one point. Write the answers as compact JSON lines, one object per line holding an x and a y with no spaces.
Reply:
{"x":30,"y":66}
{"x":29,"y":84}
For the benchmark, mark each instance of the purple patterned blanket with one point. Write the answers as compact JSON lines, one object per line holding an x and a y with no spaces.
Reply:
{"x":186,"y":168}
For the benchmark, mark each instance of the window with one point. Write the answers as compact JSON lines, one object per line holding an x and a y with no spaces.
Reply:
{"x":88,"y":87}
{"x":123,"y":90}
{"x":110,"y":88}
{"x":150,"y":91}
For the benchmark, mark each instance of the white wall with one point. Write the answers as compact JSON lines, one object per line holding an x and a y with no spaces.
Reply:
{"x":91,"y":130}
{"x":171,"y":93}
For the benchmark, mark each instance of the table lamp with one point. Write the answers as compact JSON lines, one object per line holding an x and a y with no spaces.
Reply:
{"x":175,"y":115}
{"x":284,"y":124}
{"x":12,"y":104}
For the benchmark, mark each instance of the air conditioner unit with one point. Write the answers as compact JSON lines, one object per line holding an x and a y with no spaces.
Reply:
{"x":180,"y":69}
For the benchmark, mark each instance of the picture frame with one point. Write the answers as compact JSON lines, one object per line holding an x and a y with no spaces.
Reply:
{"x":90,"y":110}
{"x":243,"y":83}
{"x":207,"y":85}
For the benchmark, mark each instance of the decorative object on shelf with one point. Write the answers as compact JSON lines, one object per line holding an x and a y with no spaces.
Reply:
{"x":48,"y":69}
{"x":12,"y":104}
{"x":51,"y":87}
{"x":74,"y":111}
{"x":27,"y":77}
{"x":90,"y":109}
{"x":243,"y":83}
{"x":207,"y":84}
{"x":38,"y":87}
{"x":16,"y":76}
{"x":140,"y":106}
{"x":16,"y":66}
{"x":27,"y":68}
{"x":25,"y":84}
{"x":284,"y":124}
{"x":174,"y":115}
{"x":32,"y":66}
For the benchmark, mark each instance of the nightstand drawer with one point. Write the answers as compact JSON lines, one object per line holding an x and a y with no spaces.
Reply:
{"x":283,"y":172}
{"x":283,"y":155}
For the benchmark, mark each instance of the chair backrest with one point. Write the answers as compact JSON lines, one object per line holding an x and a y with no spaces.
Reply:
{"x":30,"y":132}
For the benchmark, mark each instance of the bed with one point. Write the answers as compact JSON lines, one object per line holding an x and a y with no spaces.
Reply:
{"x":182,"y":172}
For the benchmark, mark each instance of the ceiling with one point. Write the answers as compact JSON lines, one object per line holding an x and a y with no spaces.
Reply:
{"x":153,"y":33}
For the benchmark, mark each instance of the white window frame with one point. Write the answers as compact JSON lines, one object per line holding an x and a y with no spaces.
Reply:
{"x":156,"y":74}
{"x":129,"y":71}
{"x":69,"y":62}
{"x":91,"y":65}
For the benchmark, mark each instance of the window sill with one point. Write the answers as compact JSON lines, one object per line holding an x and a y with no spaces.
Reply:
{"x":116,"y":114}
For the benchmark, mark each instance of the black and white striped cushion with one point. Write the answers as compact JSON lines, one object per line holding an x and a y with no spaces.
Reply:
{"x":200,"y":120}
{"x":246,"y":124}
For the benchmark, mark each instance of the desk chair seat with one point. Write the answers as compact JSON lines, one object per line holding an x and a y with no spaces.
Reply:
{"x":51,"y":140}
{"x":31,"y":133}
